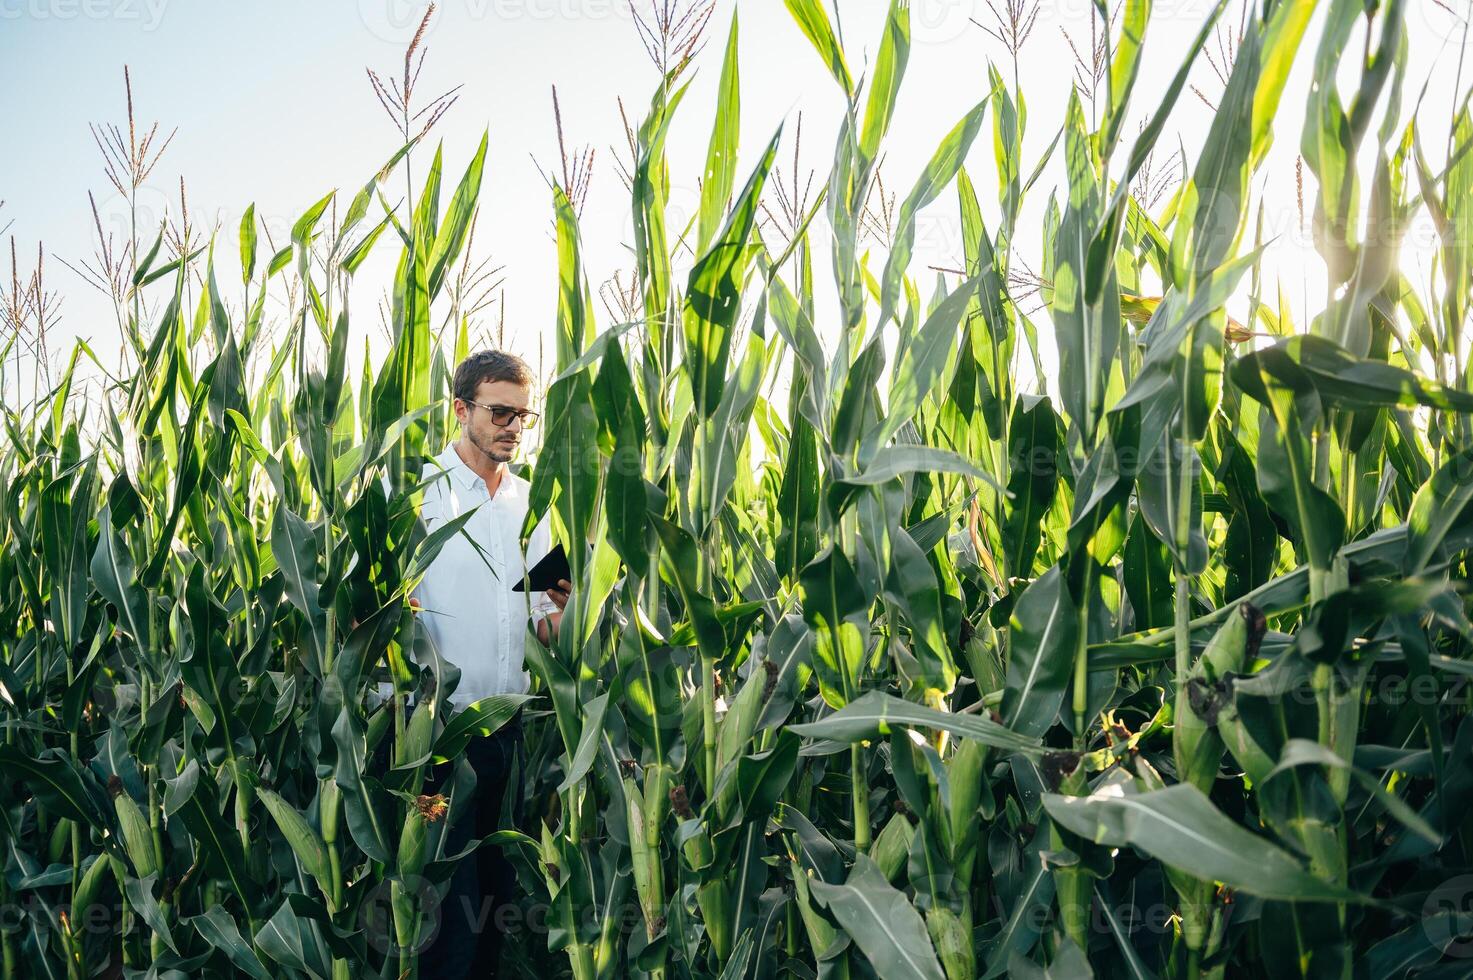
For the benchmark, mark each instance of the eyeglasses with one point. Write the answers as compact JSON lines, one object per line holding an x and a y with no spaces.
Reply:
{"x":503,"y":414}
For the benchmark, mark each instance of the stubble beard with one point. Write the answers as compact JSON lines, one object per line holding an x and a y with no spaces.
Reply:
{"x":494,"y":449}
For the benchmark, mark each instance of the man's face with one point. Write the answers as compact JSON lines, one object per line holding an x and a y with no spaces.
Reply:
{"x":499,"y":442}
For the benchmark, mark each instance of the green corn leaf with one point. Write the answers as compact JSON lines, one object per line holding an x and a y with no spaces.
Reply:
{"x":882,"y":923}
{"x":714,"y":291}
{"x":114,"y":575}
{"x":1045,"y":633}
{"x":588,"y":742}
{"x":141,"y":276}
{"x":289,"y":940}
{"x":876,"y":713}
{"x":1148,"y":578}
{"x":451,"y":237}
{"x":816,"y":27}
{"x":679,"y":550}
{"x":65,"y":788}
{"x":725,"y":433}
{"x":1285,"y":475}
{"x":141,"y":899}
{"x":884,"y":84}
{"x":1031,"y":904}
{"x":1180,"y":827}
{"x":358,"y":253}
{"x":1286,"y":29}
{"x":922,"y":367}
{"x":1211,"y":215}
{"x":196,"y":801}
{"x":295,"y":548}
{"x":911,"y":584}
{"x":1124,"y":68}
{"x":720,"y":173}
{"x":1107,"y":236}
{"x":304,"y":840}
{"x":1308,"y":363}
{"x":367,"y":825}
{"x":834,"y":606}
{"x":1302,"y":752}
{"x":1033,"y":446}
{"x":217,"y":928}
{"x":1086,"y":314}
{"x":649,"y":190}
{"x":762,"y":778}
{"x":1068,"y":963}
{"x":477,"y":719}
{"x":1440,"y":503}
{"x":942,"y":169}
{"x":894,"y":461}
{"x":248,"y":244}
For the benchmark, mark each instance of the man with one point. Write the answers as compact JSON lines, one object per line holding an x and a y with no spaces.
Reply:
{"x":477,"y":623}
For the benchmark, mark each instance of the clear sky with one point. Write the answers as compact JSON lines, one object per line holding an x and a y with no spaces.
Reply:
{"x":272,"y":106}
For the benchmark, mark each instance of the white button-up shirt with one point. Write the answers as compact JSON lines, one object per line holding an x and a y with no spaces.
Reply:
{"x":469,"y":611}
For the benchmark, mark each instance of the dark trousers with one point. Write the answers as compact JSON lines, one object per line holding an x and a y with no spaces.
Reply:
{"x":468,"y":941}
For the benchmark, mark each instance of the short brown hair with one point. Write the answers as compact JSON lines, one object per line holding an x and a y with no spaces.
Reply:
{"x":488,"y":365}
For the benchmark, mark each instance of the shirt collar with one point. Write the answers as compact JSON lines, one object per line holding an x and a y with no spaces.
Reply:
{"x":467,"y":478}
{"x":462,"y":475}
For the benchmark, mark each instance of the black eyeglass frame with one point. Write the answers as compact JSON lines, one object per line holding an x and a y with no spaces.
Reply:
{"x":528,"y":419}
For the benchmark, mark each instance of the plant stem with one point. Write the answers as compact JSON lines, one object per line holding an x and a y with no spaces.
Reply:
{"x":861,"y":798}
{"x":708,"y":721}
{"x":1081,"y":664}
{"x":1182,"y":606}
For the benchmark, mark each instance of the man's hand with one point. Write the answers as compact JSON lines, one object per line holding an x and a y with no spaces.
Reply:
{"x":547,"y":627}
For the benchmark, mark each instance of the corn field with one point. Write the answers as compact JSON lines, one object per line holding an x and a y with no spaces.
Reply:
{"x":975,"y":623}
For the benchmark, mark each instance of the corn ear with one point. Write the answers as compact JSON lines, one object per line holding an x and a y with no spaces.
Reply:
{"x":1072,"y":887}
{"x":329,"y":806}
{"x":892,"y":846}
{"x":406,"y":920}
{"x":697,"y":846}
{"x":305,"y":842}
{"x":953,"y":941}
{"x":821,"y":933}
{"x":61,"y":836}
{"x":714,"y":898}
{"x":1197,"y":746}
{"x":966,"y":775}
{"x":89,"y":886}
{"x":424,"y":811}
{"x":412,"y":843}
{"x":415,"y":744}
{"x":378,"y":727}
{"x":740,"y":720}
{"x":656,"y":801}
{"x":644,"y":858}
{"x":136,"y":833}
{"x":1245,"y":750}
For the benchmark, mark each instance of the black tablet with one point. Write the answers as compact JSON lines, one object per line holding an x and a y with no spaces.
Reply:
{"x":546,"y":574}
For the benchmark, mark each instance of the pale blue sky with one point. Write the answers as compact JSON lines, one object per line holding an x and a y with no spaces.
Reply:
{"x":272,"y":106}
